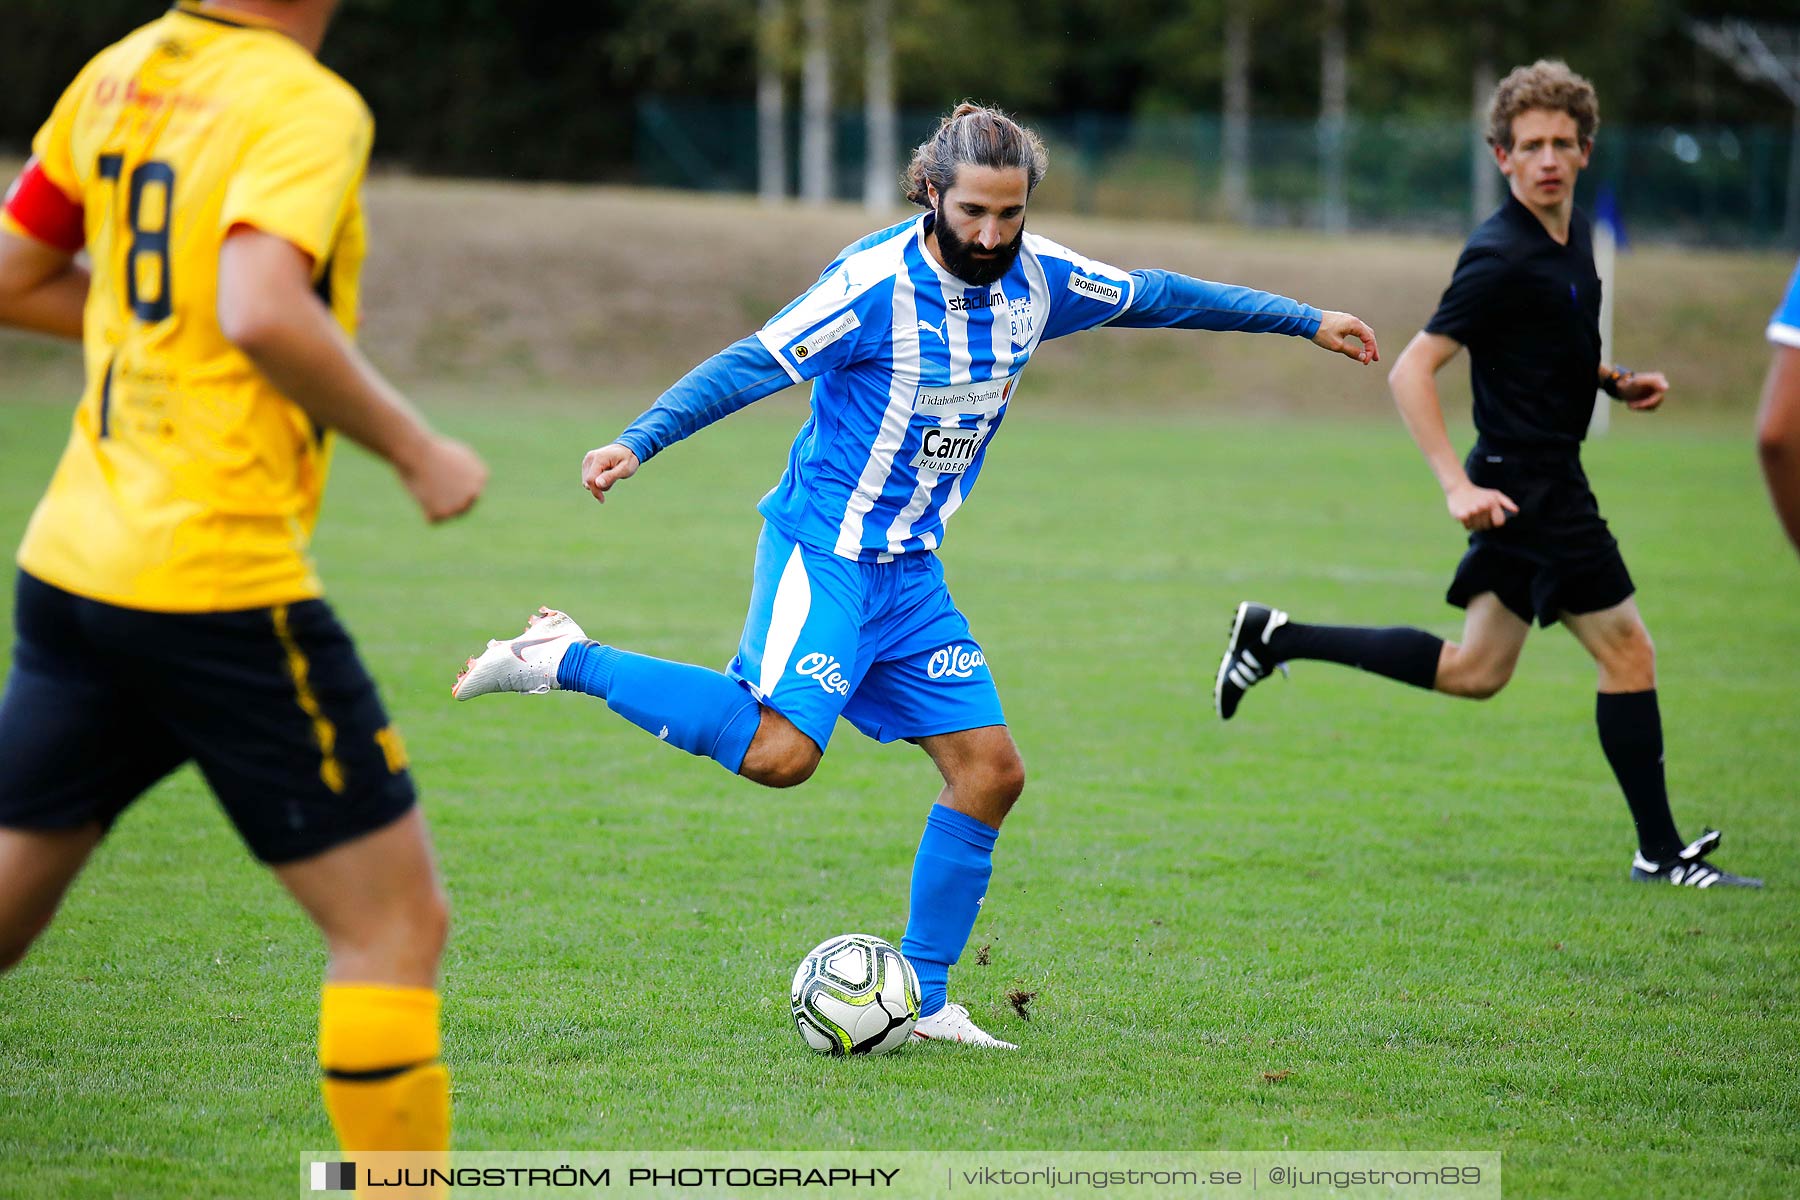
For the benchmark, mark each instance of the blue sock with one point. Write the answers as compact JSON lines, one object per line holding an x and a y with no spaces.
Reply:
{"x":701,"y":711}
{"x":949,"y":882}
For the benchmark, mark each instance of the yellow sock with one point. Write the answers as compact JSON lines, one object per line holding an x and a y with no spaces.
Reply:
{"x":384,"y":1086}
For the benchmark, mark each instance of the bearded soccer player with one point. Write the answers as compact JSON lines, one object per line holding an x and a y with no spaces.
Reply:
{"x":167,"y":609}
{"x":914,"y":339}
{"x":1525,"y":300}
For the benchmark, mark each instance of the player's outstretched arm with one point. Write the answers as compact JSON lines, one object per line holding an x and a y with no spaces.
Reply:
{"x":1345,"y":334}
{"x":1778,"y":437}
{"x":267,"y":309}
{"x":602,"y":468}
{"x":741,"y":374}
{"x":42,"y":288}
{"x":1414,"y":384}
{"x":1170,"y":300}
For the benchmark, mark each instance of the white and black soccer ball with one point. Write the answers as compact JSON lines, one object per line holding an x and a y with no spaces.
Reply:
{"x":855,"y":994}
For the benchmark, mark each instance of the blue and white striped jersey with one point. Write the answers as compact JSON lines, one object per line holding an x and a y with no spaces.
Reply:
{"x":913,"y":371}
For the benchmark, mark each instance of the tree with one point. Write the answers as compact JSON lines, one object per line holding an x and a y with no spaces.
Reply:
{"x":882,"y":151}
{"x":1334,"y":98}
{"x":816,"y":163}
{"x":771,"y":108}
{"x":1236,"y":139}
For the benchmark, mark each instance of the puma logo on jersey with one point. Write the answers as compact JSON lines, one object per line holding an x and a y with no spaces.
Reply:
{"x":937,"y":329}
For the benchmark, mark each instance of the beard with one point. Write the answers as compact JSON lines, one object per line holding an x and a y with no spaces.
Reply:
{"x":965,"y":260}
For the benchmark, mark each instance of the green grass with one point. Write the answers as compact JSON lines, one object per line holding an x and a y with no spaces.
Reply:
{"x":1410,"y":912}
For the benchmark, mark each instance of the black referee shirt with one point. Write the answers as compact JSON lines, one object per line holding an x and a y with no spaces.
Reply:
{"x":1529,"y":312}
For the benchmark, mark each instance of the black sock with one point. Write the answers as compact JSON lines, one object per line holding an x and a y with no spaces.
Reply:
{"x":1409,"y":655}
{"x":1631,"y":734}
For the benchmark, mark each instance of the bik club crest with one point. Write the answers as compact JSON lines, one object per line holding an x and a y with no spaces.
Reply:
{"x":1022,"y":318}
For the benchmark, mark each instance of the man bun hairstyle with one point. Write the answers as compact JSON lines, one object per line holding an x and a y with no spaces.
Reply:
{"x":978,"y":136}
{"x":1549,"y":84}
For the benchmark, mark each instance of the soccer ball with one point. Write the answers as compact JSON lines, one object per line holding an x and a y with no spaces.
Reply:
{"x":855,"y":994}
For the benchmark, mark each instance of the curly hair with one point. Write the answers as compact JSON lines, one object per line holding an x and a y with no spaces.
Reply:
{"x":979,"y":136}
{"x":1547,"y":84}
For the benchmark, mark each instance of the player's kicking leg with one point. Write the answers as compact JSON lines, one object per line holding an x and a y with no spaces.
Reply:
{"x":799,"y":649}
{"x":1630,"y":726}
{"x":527,"y":663}
{"x":705,"y":712}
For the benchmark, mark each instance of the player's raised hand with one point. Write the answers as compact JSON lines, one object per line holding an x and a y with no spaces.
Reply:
{"x":602,"y":468}
{"x":445,"y":476}
{"x":1478,"y":507}
{"x":1335,"y":331}
{"x":1643,"y":391}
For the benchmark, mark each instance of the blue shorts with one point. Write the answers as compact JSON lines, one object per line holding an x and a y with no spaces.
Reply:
{"x":881,"y":644}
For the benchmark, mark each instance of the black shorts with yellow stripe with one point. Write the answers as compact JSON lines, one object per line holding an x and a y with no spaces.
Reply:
{"x":271,"y":703}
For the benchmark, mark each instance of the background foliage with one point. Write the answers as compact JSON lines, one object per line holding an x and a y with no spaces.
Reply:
{"x":544,"y":90}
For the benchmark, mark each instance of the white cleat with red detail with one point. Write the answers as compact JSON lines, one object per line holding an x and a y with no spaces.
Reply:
{"x":951,"y":1023}
{"x":526,"y":663}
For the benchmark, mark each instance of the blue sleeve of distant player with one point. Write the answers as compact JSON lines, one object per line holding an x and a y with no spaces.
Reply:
{"x":741,"y":374}
{"x":1784,"y":326}
{"x":1169,"y":300}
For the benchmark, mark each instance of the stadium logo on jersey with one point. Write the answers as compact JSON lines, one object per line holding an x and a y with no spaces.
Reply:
{"x":1094,"y":289}
{"x":949,"y":451}
{"x":982,"y":399}
{"x":826,"y":336}
{"x":957,"y":662}
{"x":993,"y":299}
{"x":824,"y":670}
{"x":1023,"y":319}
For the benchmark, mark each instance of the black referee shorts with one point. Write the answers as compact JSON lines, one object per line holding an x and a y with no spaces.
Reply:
{"x":1555,"y":555}
{"x":272,"y":703}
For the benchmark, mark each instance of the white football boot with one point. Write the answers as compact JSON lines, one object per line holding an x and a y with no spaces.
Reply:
{"x":951,"y":1023}
{"x":526,"y":664}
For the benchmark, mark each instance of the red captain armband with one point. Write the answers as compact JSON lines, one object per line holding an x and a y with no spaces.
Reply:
{"x":44,"y":211}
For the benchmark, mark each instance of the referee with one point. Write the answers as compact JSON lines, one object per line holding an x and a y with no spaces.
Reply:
{"x":1525,"y":300}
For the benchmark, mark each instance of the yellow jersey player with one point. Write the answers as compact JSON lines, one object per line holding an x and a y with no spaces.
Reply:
{"x":167,"y":609}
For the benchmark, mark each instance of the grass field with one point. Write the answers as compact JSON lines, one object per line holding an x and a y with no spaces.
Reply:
{"x":1359,"y":917}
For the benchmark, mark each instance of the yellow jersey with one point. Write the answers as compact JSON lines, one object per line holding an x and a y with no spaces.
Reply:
{"x":189,"y":484}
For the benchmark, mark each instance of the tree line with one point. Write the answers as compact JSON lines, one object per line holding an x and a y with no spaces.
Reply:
{"x":541,"y":89}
